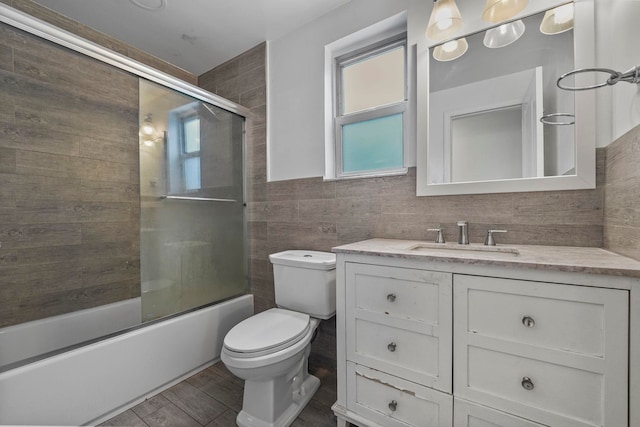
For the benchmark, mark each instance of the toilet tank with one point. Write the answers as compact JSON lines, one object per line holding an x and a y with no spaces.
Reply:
{"x":305,"y":281}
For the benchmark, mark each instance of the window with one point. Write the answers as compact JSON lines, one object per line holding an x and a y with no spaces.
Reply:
{"x":183,"y":149}
{"x":190,"y":152}
{"x":370,"y":110}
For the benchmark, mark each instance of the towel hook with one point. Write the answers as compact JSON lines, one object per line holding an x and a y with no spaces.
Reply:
{"x":630,"y":76}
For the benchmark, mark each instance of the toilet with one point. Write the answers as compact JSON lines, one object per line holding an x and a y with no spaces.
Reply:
{"x":270,"y":350}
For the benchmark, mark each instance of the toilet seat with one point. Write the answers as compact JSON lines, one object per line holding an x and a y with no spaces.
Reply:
{"x":266,"y":333}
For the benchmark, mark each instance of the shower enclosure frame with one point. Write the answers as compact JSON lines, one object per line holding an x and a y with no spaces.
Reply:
{"x":25,"y":379}
{"x":49,"y":32}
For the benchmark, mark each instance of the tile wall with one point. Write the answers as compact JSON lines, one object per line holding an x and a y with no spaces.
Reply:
{"x":69,"y":192}
{"x":622,"y":195}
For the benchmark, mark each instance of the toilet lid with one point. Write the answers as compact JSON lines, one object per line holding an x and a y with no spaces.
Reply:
{"x":267,"y":332}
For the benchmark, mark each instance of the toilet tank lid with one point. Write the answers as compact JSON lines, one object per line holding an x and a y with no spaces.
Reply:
{"x":305,"y":259}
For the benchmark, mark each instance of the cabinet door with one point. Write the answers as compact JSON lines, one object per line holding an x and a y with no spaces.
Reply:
{"x":393,"y":402}
{"x":398,"y":321}
{"x":553,"y":353}
{"x":467,"y":414}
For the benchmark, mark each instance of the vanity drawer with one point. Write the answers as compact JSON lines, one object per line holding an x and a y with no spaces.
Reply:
{"x":409,"y":354}
{"x":393,"y":402}
{"x":409,"y":335}
{"x":397,"y":292}
{"x":564,"y":317}
{"x":468,"y":414}
{"x":511,"y":383}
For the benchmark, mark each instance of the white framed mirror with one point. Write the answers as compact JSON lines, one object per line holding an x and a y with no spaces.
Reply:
{"x":478,"y":116}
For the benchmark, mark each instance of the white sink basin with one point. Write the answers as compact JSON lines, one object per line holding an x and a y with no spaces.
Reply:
{"x":444,"y":248}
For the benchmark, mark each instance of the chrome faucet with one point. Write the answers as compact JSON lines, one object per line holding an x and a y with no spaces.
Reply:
{"x":440,"y":236}
{"x":463,"y":232}
{"x":490,"y":241}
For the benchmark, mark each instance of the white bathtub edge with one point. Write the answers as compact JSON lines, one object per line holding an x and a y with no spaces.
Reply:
{"x":93,"y":382}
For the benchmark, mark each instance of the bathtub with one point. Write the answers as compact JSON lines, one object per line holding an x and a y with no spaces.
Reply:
{"x":92,"y":383}
{"x":38,"y":337}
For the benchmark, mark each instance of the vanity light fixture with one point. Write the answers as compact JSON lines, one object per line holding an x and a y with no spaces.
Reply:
{"x":501,"y":10}
{"x":504,"y":35}
{"x":450,"y":50}
{"x":445,"y":20}
{"x":557,"y":20}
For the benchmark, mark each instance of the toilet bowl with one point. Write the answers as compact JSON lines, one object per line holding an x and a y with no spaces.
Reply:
{"x":270,"y":350}
{"x":277,"y":382}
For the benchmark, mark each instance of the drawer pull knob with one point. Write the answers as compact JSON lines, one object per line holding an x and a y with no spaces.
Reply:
{"x":391,"y":297}
{"x":527,"y":384}
{"x":528,"y":321}
{"x":391,"y":347}
{"x":393,"y":405}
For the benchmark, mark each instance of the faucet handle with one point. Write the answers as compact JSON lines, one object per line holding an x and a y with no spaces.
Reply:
{"x":489,"y":241}
{"x":440,"y":237}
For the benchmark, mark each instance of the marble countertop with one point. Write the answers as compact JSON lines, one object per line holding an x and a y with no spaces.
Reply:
{"x":554,"y":258}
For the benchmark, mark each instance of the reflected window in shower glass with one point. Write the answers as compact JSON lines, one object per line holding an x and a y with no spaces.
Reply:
{"x":191,"y":153}
{"x":191,"y":134}
{"x":192,"y":173}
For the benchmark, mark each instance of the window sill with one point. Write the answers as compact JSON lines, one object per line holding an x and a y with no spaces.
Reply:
{"x":397,"y":172}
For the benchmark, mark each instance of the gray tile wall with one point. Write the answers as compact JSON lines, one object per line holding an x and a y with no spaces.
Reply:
{"x":622,"y":195}
{"x":69,"y":193}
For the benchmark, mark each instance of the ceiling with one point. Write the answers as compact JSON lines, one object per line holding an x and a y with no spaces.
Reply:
{"x":195,"y":35}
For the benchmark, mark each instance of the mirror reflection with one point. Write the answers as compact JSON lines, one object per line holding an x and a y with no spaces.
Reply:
{"x":487,"y":95}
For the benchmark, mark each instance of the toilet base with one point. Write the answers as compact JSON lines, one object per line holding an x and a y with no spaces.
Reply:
{"x":302,"y":396}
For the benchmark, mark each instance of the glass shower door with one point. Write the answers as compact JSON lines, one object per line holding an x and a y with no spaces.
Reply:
{"x":192,"y":209}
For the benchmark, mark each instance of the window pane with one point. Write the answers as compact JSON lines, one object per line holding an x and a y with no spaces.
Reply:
{"x":192,"y":173}
{"x":372,"y":144}
{"x":191,"y":135}
{"x":374,"y":81}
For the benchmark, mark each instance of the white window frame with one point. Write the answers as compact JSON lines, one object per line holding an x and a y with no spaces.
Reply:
{"x":341,"y":119}
{"x":183,"y":154}
{"x":175,"y":154}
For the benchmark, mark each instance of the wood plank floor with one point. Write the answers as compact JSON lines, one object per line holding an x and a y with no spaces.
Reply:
{"x":213,"y":398}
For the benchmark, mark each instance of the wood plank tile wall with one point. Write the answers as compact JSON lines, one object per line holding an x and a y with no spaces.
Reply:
{"x":69,"y":192}
{"x":622,"y":195}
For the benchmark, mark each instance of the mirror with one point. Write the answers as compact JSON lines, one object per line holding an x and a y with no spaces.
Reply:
{"x":479,"y":115}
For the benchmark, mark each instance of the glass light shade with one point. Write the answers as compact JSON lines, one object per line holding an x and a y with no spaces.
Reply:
{"x":504,"y":35}
{"x":557,"y":20}
{"x":501,"y":10}
{"x":450,"y":50}
{"x":445,"y":20}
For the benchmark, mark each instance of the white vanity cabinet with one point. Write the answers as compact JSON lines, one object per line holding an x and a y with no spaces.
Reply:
{"x":423,"y":342}
{"x":554,"y":353}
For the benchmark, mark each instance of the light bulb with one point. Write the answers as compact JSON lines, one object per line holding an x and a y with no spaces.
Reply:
{"x":147,"y":128}
{"x":450,"y":46}
{"x":443,"y":24}
{"x":445,"y":20}
{"x":450,"y":50}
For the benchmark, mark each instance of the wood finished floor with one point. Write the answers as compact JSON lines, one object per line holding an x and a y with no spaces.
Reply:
{"x":213,"y":398}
